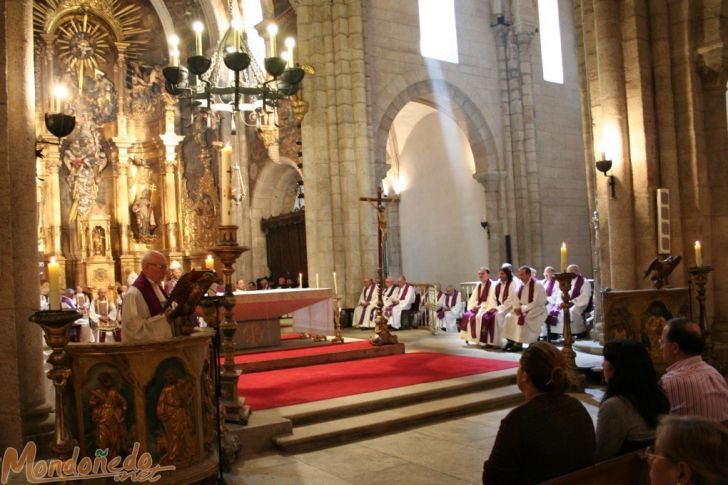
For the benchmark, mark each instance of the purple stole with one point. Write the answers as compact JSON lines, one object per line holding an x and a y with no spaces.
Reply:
{"x":150,"y":297}
{"x":367,"y":298}
{"x":576,"y":291}
{"x":522,"y":316}
{"x":506,"y":291}
{"x":388,"y":293}
{"x":468,"y":319}
{"x":69,"y":301}
{"x":550,"y":287}
{"x":441,"y":311}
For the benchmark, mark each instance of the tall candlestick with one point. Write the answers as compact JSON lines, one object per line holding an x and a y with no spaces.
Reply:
{"x":225,"y":198}
{"x":563,"y":257}
{"x":300,"y":280}
{"x":209,"y":262}
{"x":336,"y":288}
{"x":198,"y":28}
{"x":698,"y":254}
{"x":317,"y":281}
{"x":54,"y":280}
{"x":272,"y":32}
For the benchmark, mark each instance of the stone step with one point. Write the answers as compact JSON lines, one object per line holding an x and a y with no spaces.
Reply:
{"x":319,"y":411}
{"x":344,"y":429}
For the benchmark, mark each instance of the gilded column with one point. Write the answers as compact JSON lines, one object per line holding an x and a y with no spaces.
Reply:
{"x":170,"y":140}
{"x":121,"y":174}
{"x":120,"y":78}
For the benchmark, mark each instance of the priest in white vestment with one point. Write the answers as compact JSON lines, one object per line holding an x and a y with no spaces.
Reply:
{"x":449,"y":309}
{"x":390,"y":292}
{"x":102,"y":315}
{"x":365,"y":310}
{"x":505,"y":294}
{"x":403,"y":301}
{"x":144,"y":318}
{"x":580,"y":294}
{"x":553,"y":323}
{"x":523,"y":322}
{"x":81,"y":331}
{"x":478,"y":322}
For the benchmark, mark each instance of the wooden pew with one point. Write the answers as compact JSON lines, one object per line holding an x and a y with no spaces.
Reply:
{"x":629,"y":469}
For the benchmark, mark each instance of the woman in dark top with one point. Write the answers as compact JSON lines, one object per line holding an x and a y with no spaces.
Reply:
{"x":633,"y":401}
{"x":551,"y":434}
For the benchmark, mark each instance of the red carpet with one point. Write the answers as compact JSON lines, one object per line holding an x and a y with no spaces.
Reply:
{"x":271,"y":389}
{"x":290,"y":353}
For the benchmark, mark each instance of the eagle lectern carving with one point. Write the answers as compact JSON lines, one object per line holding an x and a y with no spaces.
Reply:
{"x":661,"y":267}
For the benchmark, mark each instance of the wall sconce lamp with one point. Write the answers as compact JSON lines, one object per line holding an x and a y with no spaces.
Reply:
{"x":486,"y":226}
{"x":604,"y":166}
{"x":59,"y":124}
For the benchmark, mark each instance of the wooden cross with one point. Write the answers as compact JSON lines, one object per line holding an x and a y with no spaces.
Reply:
{"x":380,"y":203}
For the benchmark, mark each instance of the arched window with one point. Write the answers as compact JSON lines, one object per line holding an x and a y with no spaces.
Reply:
{"x":438,"y":32}
{"x":550,"y":30}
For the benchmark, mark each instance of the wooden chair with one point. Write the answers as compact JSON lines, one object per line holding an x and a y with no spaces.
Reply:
{"x":410,"y":317}
{"x":630,"y":468}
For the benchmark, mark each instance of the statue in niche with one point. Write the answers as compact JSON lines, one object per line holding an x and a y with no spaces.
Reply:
{"x":84,"y":159}
{"x":142,"y":190}
{"x":108,"y":413}
{"x":173,"y":411}
{"x":99,"y":241}
{"x":146,"y":86}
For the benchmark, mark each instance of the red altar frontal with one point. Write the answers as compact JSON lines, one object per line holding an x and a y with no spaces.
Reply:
{"x":258,"y":314}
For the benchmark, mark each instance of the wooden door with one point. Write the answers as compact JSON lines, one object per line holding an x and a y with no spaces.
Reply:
{"x":285,"y":239}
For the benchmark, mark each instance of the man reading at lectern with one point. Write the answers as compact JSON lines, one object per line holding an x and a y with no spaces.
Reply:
{"x":144,"y":319}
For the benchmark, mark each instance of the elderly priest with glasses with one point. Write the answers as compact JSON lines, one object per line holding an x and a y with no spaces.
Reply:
{"x":144,"y":318}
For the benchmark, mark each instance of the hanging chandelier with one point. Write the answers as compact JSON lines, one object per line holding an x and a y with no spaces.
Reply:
{"x":204,"y":82}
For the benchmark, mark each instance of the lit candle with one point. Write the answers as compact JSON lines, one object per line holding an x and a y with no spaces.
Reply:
{"x":300,"y":280}
{"x":290,"y":44}
{"x":173,"y":50}
{"x":698,"y":254}
{"x":272,"y":32}
{"x":54,"y":280}
{"x":59,"y":93}
{"x":209,"y":262}
{"x":237,"y":26}
{"x":317,"y":281}
{"x":563,"y":257}
{"x":198,"y":28}
{"x":336,"y":289}
{"x":225,"y":198}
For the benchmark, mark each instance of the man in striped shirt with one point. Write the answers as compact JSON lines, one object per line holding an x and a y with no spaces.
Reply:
{"x":692,"y":386}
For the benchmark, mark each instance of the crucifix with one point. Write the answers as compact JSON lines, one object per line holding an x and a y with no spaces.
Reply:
{"x":381,"y":332}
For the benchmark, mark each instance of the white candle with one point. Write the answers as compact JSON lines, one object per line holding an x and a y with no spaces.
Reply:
{"x":198,"y":28}
{"x":54,"y":280}
{"x":59,"y":93}
{"x":272,"y":32}
{"x":698,"y":254}
{"x":563,"y":257}
{"x":173,"y":50}
{"x":209,"y":262}
{"x":290,"y":44}
{"x":300,"y":280}
{"x":336,"y":288}
{"x":225,"y":198}
{"x":237,"y":26}
{"x":317,"y":281}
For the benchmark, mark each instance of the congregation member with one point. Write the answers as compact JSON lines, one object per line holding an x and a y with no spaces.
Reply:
{"x":551,"y":434}
{"x":693,"y":387}
{"x":390,"y":291}
{"x":689,"y":450}
{"x":403,"y":300}
{"x":281,"y":283}
{"x":523,"y":323}
{"x":365,"y":309}
{"x":239,"y":287}
{"x":102,"y":317}
{"x":580,"y":295}
{"x":175,"y":274}
{"x":633,"y":402}
{"x":449,"y":308}
{"x":505,"y":295}
{"x":263,"y":284}
{"x":144,"y":319}
{"x":478,"y":322}
{"x":554,"y":323}
{"x":251,"y":286}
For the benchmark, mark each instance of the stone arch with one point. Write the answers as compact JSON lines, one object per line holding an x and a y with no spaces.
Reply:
{"x":273,"y":194}
{"x":460,"y":108}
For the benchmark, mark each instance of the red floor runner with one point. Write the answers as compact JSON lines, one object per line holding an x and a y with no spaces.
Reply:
{"x":289,"y":353}
{"x":271,"y":389}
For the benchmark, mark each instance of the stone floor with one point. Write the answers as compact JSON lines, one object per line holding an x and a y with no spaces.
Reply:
{"x":450,"y":452}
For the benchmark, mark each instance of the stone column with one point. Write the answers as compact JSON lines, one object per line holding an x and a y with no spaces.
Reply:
{"x":612,"y":132}
{"x":121,"y":179}
{"x":21,"y":358}
{"x":494,"y":214}
{"x":170,"y":141}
